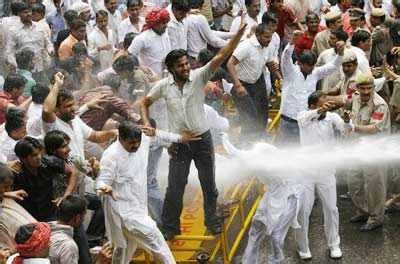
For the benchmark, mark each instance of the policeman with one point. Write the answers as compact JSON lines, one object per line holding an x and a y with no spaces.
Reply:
{"x":367,"y":183}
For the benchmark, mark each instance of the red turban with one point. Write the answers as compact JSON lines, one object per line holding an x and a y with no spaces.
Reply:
{"x":38,"y":242}
{"x":155,"y":17}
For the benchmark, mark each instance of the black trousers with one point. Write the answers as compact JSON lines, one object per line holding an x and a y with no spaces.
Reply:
{"x":252,"y":109}
{"x":81,"y":241}
{"x":181,"y":156}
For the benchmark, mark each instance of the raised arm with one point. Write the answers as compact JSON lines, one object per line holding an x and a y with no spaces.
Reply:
{"x":227,"y":51}
{"x":330,"y":67}
{"x":49,"y":105}
{"x":287,"y":64}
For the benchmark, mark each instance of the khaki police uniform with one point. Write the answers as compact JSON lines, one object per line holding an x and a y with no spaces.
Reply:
{"x":367,"y":183}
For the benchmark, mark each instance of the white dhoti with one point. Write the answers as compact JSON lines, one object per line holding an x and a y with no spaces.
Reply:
{"x":276,"y":213}
{"x":325,"y":184}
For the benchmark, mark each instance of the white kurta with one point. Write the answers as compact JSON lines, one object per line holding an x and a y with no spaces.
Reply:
{"x":97,"y":39}
{"x":128,"y":223}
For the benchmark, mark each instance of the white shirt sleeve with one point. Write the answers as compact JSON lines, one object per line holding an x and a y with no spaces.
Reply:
{"x":92,"y":45}
{"x":215,"y":121}
{"x":108,"y":168}
{"x":325,"y":70}
{"x":304,"y":117}
{"x":136,"y":46}
{"x":286,"y":61}
{"x":208,"y":35}
{"x":86,"y":130}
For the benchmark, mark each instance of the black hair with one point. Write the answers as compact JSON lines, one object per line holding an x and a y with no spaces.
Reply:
{"x":340,"y":34}
{"x":360,"y":36}
{"x":314,"y":97}
{"x":261,"y":28}
{"x":180,"y":5}
{"x":310,"y":16}
{"x":128,"y":130}
{"x":23,"y":233}
{"x":173,"y":56}
{"x":307,"y":57}
{"x":23,"y":7}
{"x":39,"y":8}
{"x":205,"y":55}
{"x":5,"y":173}
{"x":130,"y":3}
{"x":101,"y":13}
{"x":269,"y":18}
{"x":123,"y":63}
{"x":13,"y":81}
{"x":27,"y":146}
{"x":39,"y":93}
{"x":79,"y":49}
{"x":24,"y":58}
{"x":69,"y":16}
{"x":248,"y":2}
{"x":357,"y":3}
{"x":112,"y":81}
{"x":76,"y":24}
{"x":196,"y":4}
{"x":16,"y":8}
{"x":64,"y":95}
{"x":15,"y":119}
{"x":54,"y":140}
{"x":71,"y":206}
{"x":128,"y":39}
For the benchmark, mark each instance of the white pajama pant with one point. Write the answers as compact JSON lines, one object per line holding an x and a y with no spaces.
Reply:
{"x":326,"y":189}
{"x":149,"y":239}
{"x":258,"y":233}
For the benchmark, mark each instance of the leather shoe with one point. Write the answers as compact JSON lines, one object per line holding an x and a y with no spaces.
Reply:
{"x":169,"y":235}
{"x":371,"y":226}
{"x":215,"y":229}
{"x":359,"y":219}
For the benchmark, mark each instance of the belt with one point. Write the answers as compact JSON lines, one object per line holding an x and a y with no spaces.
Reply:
{"x":288,"y":119}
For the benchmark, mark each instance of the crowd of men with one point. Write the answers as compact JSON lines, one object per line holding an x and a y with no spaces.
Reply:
{"x":93,"y":92}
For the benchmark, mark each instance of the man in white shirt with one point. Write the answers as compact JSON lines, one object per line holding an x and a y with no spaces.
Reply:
{"x":199,"y":32}
{"x":123,"y":177}
{"x":246,"y":67}
{"x":34,"y":113}
{"x":71,"y":213}
{"x":101,"y":45}
{"x":183,"y":92}
{"x":114,"y":17}
{"x":134,"y":22}
{"x":38,"y":13}
{"x":153,"y":44}
{"x":26,"y":34}
{"x":14,"y":130}
{"x":253,"y":18}
{"x":299,"y":81}
{"x":59,"y":114}
{"x":317,"y":127}
{"x":177,"y":27}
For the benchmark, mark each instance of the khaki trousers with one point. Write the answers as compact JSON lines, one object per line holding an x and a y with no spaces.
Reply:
{"x":367,"y":186}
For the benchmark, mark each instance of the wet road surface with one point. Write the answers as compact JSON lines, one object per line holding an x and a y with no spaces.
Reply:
{"x":381,"y":246}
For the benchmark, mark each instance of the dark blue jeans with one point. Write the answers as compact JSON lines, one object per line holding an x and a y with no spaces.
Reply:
{"x":181,"y":156}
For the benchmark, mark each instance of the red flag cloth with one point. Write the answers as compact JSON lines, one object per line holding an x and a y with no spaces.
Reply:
{"x":377,"y":115}
{"x":155,"y":17}
{"x":38,"y":242}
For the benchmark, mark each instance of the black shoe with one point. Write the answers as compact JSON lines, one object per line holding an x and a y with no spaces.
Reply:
{"x":169,"y":235}
{"x":371,"y":226}
{"x":359,"y":219}
{"x":215,"y":229}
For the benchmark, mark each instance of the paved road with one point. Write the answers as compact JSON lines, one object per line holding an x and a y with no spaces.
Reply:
{"x":381,"y":246}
